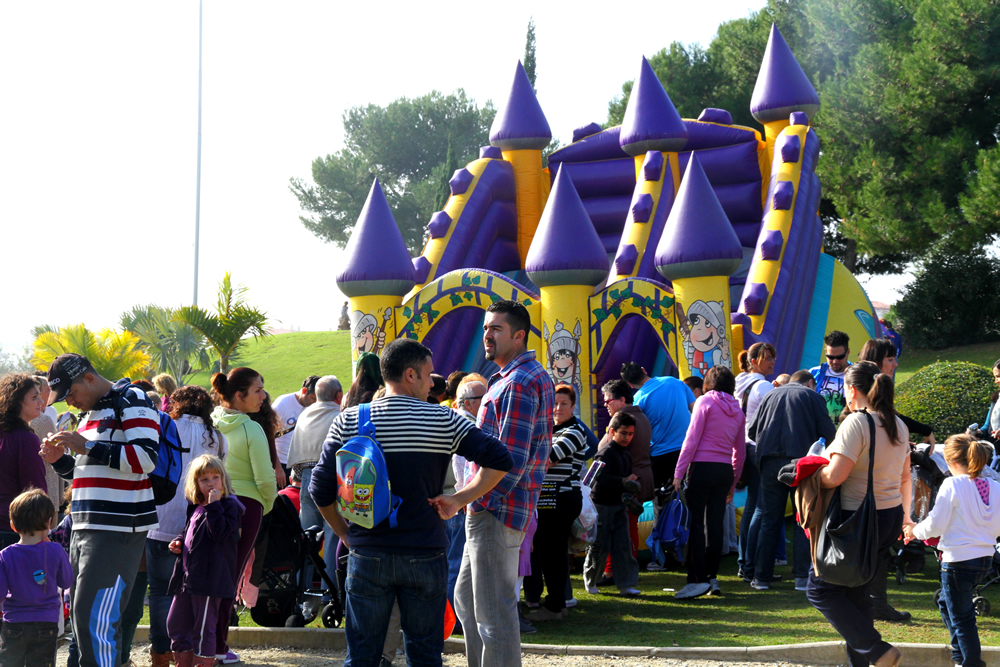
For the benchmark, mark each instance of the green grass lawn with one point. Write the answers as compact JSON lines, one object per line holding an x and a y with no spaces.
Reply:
{"x":287,"y":359}
{"x":913,"y":360}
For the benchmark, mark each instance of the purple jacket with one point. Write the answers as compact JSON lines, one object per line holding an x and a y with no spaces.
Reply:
{"x":20,"y":468}
{"x":207,"y":565}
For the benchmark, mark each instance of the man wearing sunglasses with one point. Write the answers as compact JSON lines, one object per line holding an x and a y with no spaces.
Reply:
{"x":829,"y":375}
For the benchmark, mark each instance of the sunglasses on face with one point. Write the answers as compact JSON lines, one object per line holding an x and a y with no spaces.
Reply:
{"x":837,"y":357}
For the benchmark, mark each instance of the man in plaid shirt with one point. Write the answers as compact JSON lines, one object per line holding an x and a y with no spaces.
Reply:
{"x":517,"y":410}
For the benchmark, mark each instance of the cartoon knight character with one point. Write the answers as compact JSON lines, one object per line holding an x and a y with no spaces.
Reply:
{"x":564,"y":355}
{"x":365,"y":333}
{"x":704,"y":335}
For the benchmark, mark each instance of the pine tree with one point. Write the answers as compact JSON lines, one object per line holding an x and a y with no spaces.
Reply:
{"x":529,"y":53}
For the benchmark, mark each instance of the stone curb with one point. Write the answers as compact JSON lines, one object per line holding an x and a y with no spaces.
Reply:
{"x":817,"y":653}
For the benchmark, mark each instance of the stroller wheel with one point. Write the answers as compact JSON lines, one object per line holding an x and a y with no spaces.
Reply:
{"x":296,"y":620}
{"x":982,"y":605}
{"x":332,"y":616}
{"x":901,"y":575}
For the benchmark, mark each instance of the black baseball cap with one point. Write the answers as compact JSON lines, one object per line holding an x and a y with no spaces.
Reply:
{"x":64,"y":370}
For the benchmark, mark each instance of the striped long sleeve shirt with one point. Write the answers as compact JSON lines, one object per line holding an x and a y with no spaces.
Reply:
{"x":111,"y":487}
{"x":569,"y":453}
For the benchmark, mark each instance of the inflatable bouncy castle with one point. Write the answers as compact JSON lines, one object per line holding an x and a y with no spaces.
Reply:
{"x":671,"y":242}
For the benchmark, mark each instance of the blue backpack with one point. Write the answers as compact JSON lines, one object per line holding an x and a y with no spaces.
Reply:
{"x":364,"y":496}
{"x":670,"y":534}
{"x":166,"y":476}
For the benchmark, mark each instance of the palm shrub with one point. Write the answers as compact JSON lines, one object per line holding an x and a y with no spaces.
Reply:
{"x":947,"y":395}
{"x":113,"y":354}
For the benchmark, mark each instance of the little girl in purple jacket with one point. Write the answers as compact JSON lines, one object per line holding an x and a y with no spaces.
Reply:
{"x":205,"y":574}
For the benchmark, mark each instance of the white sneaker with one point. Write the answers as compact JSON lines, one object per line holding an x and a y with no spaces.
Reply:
{"x":692,"y":591}
{"x":653,"y":567}
{"x":592,"y":590}
{"x":779,"y":561}
{"x":630,"y":592}
{"x":714,"y":587}
{"x":570,"y":603}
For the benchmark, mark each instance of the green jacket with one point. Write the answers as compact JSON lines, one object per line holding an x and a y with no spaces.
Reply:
{"x":249,"y":460}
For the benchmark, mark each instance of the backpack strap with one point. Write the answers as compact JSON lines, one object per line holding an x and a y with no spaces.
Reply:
{"x":365,"y":425}
{"x":746,"y":395}
{"x":394,"y":503}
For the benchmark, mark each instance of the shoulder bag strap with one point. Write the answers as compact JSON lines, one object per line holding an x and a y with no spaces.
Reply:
{"x":871,"y":452}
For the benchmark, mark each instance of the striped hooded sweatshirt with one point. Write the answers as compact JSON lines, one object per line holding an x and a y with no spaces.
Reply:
{"x":111,"y":487}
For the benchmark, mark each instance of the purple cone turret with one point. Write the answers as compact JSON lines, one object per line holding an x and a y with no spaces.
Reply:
{"x":520,"y":124}
{"x":698,"y":239}
{"x":651,"y":121}
{"x":566,"y":249}
{"x":377,"y":260}
{"x":782,"y":87}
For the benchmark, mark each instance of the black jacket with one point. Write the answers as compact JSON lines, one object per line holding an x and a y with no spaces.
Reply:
{"x":789,"y":420}
{"x":617,"y":466}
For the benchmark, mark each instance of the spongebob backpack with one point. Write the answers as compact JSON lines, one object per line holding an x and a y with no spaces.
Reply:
{"x":364,"y":496}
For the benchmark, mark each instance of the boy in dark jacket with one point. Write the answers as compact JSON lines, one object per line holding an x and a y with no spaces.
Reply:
{"x":612,"y":515}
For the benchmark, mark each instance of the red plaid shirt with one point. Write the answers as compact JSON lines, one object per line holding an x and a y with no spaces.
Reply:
{"x":517,"y":410}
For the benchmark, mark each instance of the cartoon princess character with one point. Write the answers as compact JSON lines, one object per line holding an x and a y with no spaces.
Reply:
{"x":365,"y":333}
{"x":704,"y":334}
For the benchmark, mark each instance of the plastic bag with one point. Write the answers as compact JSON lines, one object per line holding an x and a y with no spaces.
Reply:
{"x":584,"y":530}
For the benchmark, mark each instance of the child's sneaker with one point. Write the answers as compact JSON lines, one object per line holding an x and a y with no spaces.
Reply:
{"x":593,"y":590}
{"x":632,"y":486}
{"x":632,"y":504}
{"x":229,"y":658}
{"x":758,"y":585}
{"x":714,"y":590}
{"x":655,"y":567}
{"x":630,"y":592}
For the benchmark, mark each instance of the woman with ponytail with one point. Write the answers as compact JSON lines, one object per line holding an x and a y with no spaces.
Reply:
{"x":869,"y":394}
{"x":751,"y":386}
{"x":249,"y":466}
{"x":967,"y":519}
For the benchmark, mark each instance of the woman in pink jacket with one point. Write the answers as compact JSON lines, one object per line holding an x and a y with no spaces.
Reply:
{"x":712,"y":458}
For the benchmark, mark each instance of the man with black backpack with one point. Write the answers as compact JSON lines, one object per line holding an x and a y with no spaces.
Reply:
{"x":402,"y":556}
{"x":114,"y":450}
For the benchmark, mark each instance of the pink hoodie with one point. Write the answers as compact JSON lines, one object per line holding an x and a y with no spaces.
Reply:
{"x":715,"y":434}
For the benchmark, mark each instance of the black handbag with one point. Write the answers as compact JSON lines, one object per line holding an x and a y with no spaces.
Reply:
{"x":847,"y":550}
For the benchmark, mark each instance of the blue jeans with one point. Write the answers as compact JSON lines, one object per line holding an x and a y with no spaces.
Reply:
{"x":376,"y":579}
{"x":159,"y":569}
{"x":748,"y":539}
{"x":455,"y":529}
{"x":309,"y":516}
{"x":769,"y":524}
{"x":958,"y":586}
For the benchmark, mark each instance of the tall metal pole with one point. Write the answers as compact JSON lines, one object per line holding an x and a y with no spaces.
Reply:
{"x":197,"y":196}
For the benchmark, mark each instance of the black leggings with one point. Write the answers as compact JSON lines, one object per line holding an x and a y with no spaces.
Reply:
{"x":708,"y":486}
{"x":548,"y":557}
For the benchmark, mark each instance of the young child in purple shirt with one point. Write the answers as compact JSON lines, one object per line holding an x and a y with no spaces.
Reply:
{"x":205,"y":574}
{"x":31,"y":573}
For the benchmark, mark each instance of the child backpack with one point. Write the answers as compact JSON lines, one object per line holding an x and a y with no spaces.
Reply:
{"x":364,"y":496}
{"x":166,"y":476}
{"x":670,"y":534}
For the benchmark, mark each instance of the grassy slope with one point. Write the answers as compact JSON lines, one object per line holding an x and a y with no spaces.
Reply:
{"x":286,"y":360}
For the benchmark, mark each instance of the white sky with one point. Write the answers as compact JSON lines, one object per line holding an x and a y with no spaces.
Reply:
{"x":98,"y":125}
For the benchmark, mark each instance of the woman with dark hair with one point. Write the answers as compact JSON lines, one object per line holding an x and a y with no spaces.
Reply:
{"x":270,"y":421}
{"x":191,"y":410}
{"x":21,"y":467}
{"x":249,"y":465}
{"x":559,"y":504}
{"x":751,"y":386}
{"x":870,"y":395}
{"x":366,"y":382}
{"x":712,"y":458}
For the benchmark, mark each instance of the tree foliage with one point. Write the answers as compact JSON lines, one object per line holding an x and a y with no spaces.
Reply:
{"x":405,"y":145}
{"x":908,"y":119}
{"x":951,"y":301}
{"x":113,"y":354}
{"x":529,"y":53}
{"x":15,"y":362}
{"x":948,"y":396}
{"x":173,"y":347}
{"x":233,"y":319}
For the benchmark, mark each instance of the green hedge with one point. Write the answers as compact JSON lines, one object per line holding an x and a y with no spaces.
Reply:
{"x":947,"y":395}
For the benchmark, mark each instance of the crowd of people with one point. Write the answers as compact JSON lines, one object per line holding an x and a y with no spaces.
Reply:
{"x":487,"y":481}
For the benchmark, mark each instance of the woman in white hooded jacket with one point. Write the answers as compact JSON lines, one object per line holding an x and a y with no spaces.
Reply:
{"x":966,"y":516}
{"x":751,"y":386}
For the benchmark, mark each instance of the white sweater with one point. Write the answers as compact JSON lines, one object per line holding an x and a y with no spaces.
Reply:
{"x":968,"y":528}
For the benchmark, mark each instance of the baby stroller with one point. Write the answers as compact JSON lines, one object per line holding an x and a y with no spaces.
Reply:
{"x":282,"y":589}
{"x":927,"y":473}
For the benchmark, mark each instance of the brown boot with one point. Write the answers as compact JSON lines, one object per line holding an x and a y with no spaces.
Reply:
{"x":200,"y":661}
{"x":184,"y":658}
{"x":161,"y":659}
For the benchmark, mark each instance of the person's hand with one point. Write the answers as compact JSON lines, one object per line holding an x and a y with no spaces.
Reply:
{"x":445,"y":506}
{"x":72,"y":440}
{"x":279,"y":476}
{"x":931,"y":441}
{"x":175,"y":545}
{"x":214,"y":495}
{"x":729,"y":498}
{"x":907,"y":533}
{"x":50,"y":452}
{"x":632,"y":478}
{"x":677,"y":485}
